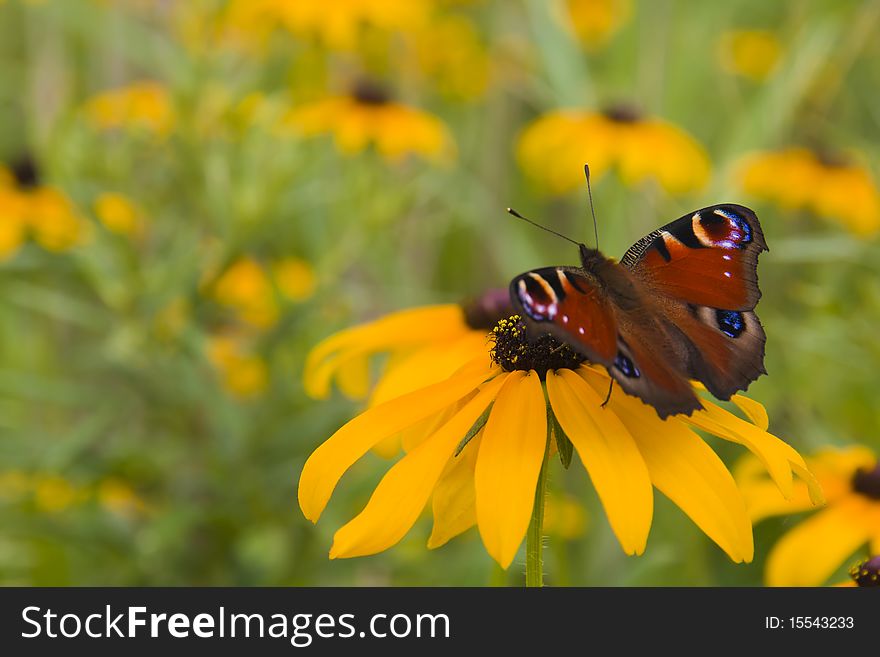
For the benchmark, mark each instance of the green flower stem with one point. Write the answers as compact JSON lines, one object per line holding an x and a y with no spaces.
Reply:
{"x":535,"y":535}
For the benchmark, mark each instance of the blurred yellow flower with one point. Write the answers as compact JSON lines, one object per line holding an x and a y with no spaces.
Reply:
{"x":142,"y":105}
{"x":368,"y":116}
{"x":244,"y":374}
{"x":118,"y":497}
{"x":810,"y":553}
{"x":53,"y":221}
{"x":449,"y":53}
{"x":246,"y":288}
{"x":554,"y":148}
{"x":800,"y":179}
{"x":594,"y":22}
{"x":119,"y":215}
{"x":752,"y":54}
{"x":295,"y":278}
{"x":564,"y":517}
{"x":13,"y":221}
{"x":338,"y":24}
{"x":53,"y":493}
{"x":482,"y":439}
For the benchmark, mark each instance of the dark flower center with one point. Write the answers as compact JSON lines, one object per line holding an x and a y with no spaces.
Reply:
{"x":622,"y":113}
{"x":369,"y":92}
{"x":513,"y":350}
{"x":867,"y":482}
{"x":25,"y":171}
{"x":485,"y":311}
{"x":867,"y":572}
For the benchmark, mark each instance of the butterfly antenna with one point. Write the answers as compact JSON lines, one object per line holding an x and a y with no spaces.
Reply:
{"x":592,"y":209}
{"x":536,"y":225}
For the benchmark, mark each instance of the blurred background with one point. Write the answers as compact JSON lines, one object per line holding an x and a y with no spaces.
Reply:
{"x":193,"y":194}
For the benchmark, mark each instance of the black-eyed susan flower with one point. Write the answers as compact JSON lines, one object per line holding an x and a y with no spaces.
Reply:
{"x":244,"y":374}
{"x":144,"y":105}
{"x":752,"y":54}
{"x":484,"y":436}
{"x":339,"y":24}
{"x":594,"y":22}
{"x":866,"y":572}
{"x":451,"y":55}
{"x":119,"y":215}
{"x":246,"y":288}
{"x":367,"y":116}
{"x":552,"y":150}
{"x":802,"y":179}
{"x":809,"y":553}
{"x":295,"y":278}
{"x":30,"y":209}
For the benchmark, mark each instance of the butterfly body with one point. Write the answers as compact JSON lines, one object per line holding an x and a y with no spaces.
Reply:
{"x":678,"y":306}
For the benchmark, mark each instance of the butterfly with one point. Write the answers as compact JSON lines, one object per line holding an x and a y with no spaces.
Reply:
{"x":678,"y":306}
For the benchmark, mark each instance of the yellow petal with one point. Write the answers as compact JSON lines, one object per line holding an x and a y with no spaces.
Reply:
{"x":810,"y":553}
{"x":610,"y":456}
{"x":454,"y":501}
{"x":392,"y":332}
{"x":403,"y":492}
{"x":508,"y":464}
{"x":755,"y":411}
{"x":685,"y":469}
{"x":329,"y":462}
{"x":425,"y":366}
{"x":774,"y":454}
{"x":354,"y":377}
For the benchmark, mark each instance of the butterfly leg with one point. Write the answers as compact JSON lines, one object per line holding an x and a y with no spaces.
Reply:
{"x":608,"y":396}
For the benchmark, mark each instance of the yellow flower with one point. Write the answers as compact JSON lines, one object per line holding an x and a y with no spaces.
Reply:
{"x":564,"y":517}
{"x":119,"y":215}
{"x":338,"y":24}
{"x":367,"y":116}
{"x":752,"y":54}
{"x":800,"y":179}
{"x":53,"y":493}
{"x":118,"y":497}
{"x":810,"y":553}
{"x":450,"y":53}
{"x":594,"y":22}
{"x":295,"y":278}
{"x":426,"y":345}
{"x":482,"y":438}
{"x":244,"y":374}
{"x":53,"y":220}
{"x":13,"y":221}
{"x":554,"y":148}
{"x":142,"y":105}
{"x":246,"y":288}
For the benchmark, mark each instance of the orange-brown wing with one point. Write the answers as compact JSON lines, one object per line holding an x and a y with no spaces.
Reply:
{"x":564,"y":303}
{"x":633,"y":345}
{"x":707,"y":258}
{"x":703,"y":268}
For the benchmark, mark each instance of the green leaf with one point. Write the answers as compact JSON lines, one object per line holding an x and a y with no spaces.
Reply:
{"x":563,"y":444}
{"x":474,"y":430}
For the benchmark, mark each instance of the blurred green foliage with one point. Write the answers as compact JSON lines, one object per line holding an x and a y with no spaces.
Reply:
{"x":126,"y":458}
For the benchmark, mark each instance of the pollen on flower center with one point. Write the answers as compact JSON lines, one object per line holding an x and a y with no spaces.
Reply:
{"x":368,"y":92}
{"x":867,"y":572}
{"x":867,"y":482}
{"x":513,"y":350}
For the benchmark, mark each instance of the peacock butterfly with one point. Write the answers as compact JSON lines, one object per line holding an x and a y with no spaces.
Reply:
{"x":679,"y":305}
